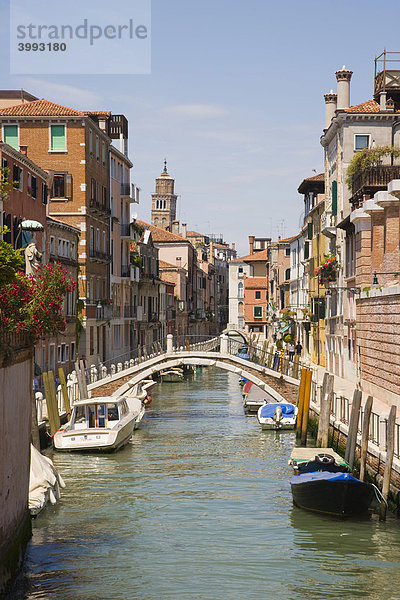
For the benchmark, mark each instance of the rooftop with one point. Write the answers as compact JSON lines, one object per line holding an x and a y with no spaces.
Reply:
{"x":45,"y":108}
{"x":161,"y":235}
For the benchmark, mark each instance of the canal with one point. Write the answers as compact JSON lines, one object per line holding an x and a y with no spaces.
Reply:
{"x":198,"y":506}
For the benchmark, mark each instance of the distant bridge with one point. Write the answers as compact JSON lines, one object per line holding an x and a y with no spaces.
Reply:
{"x":220,"y":352}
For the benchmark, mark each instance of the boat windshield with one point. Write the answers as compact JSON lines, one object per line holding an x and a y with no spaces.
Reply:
{"x":112,"y":412}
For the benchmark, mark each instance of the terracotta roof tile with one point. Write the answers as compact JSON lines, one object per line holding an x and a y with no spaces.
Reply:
{"x":366,"y":107}
{"x":164,"y":265}
{"x":161,"y":235}
{"x":45,"y":108}
{"x":194,"y":234}
{"x":257,"y":256}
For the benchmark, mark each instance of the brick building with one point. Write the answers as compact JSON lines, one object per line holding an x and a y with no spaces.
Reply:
{"x":73,"y":147}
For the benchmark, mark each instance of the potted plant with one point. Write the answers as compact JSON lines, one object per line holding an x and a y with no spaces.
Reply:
{"x":327,"y":270}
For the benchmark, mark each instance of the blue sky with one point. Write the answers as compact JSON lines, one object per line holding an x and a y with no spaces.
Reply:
{"x":234,"y":101}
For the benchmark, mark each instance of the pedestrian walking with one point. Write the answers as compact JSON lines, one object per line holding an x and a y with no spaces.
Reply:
{"x":291,"y":351}
{"x":299,"y":348}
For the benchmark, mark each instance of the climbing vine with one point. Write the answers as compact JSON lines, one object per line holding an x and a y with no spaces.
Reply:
{"x":368,"y":158}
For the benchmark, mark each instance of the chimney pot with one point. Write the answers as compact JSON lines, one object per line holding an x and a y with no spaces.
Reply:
{"x":330,"y":107}
{"x":24,"y":150}
{"x":251,"y":243}
{"x":343,"y":88}
{"x":184,"y":231}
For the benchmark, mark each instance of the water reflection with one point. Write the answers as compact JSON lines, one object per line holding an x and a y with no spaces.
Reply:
{"x":198,"y":506}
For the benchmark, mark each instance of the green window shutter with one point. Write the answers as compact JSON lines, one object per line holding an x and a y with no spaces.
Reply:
{"x":306,"y":250}
{"x":11,"y":136}
{"x":309,"y":230}
{"x":57,"y":138}
{"x":334,"y":198}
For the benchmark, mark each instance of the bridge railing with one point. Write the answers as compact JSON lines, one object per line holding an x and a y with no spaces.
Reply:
{"x":203,"y":343}
{"x":270,"y":357}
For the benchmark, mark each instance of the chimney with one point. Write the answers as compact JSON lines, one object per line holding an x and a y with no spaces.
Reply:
{"x":211,"y":252}
{"x":184,"y":232}
{"x":175,"y":227}
{"x":343,"y":88}
{"x":24,"y":150}
{"x":233,"y":246}
{"x":330,"y":107}
{"x":382,"y":101}
{"x":251,"y":243}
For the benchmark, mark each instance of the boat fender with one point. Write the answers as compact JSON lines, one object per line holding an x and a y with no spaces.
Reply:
{"x":325,"y":459}
{"x":148,"y":399}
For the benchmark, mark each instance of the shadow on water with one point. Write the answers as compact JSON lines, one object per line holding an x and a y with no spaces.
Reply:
{"x":198,"y":506}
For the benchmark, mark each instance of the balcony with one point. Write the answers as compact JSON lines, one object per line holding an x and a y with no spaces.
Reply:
{"x":99,"y":256}
{"x":99,"y":207}
{"x":328,"y":225}
{"x":374,"y":179}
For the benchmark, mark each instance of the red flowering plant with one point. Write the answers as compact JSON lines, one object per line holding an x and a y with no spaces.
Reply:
{"x":327,"y":270}
{"x":33,"y":304}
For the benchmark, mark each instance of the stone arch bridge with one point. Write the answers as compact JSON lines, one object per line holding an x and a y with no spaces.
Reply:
{"x":281,"y":382}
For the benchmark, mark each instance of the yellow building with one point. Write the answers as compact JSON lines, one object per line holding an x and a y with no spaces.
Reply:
{"x":315,"y":251}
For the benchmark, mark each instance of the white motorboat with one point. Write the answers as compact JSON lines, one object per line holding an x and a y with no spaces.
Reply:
{"x":254,"y":397}
{"x":172,"y":375}
{"x":277,"y":415}
{"x":99,"y":424}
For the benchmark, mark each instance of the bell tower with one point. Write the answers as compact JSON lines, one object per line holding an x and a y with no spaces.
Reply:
{"x":163,"y":201}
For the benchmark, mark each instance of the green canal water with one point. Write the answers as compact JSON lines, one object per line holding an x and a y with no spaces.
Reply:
{"x":198,"y":506}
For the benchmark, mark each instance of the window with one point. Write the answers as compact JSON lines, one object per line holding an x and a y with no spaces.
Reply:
{"x":334,"y":198}
{"x":10,"y":135}
{"x":62,"y":186}
{"x":287,"y":274}
{"x":117,"y":336}
{"x":17,"y":178}
{"x":258,"y":295}
{"x":240,"y":289}
{"x":57,"y":138}
{"x":104,"y":242}
{"x":44,"y":193}
{"x":98,"y":239}
{"x":72,"y":350}
{"x":103,"y":153}
{"x":90,"y":141}
{"x":73,"y":250}
{"x":91,"y":239}
{"x":240,"y":308}
{"x":34,"y":187}
{"x":97,"y":148}
{"x":361,"y":142}
{"x":52,"y":244}
{"x":287,"y":251}
{"x":257,"y":312}
{"x":93,"y":190}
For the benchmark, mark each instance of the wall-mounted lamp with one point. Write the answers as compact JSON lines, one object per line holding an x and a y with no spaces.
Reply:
{"x":375,"y":278}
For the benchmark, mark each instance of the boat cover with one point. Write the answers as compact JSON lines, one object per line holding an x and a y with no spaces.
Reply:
{"x":268,"y":410}
{"x":242,"y":355}
{"x":323,"y":476}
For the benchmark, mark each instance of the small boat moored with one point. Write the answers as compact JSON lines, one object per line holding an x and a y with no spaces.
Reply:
{"x":172,"y":375}
{"x":101,"y":424}
{"x":254,"y":397}
{"x":277,"y":415}
{"x":323,"y":484}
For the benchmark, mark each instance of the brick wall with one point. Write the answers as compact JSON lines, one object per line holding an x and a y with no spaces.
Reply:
{"x":378,"y":334}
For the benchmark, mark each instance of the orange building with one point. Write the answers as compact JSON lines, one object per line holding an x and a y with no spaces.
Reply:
{"x":255,"y":304}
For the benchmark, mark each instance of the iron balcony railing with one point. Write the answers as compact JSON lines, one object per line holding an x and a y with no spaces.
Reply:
{"x":374,"y":178}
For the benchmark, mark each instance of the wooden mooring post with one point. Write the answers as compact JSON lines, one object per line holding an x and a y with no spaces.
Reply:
{"x":388,"y":462}
{"x":306,"y":407}
{"x":353,"y":428}
{"x":365,"y":436}
{"x":300,"y":402}
{"x":325,"y":411}
{"x":64,"y":390}
{"x":51,"y":401}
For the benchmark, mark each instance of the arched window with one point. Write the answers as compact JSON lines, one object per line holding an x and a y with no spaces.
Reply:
{"x":240,"y":289}
{"x":240,"y":308}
